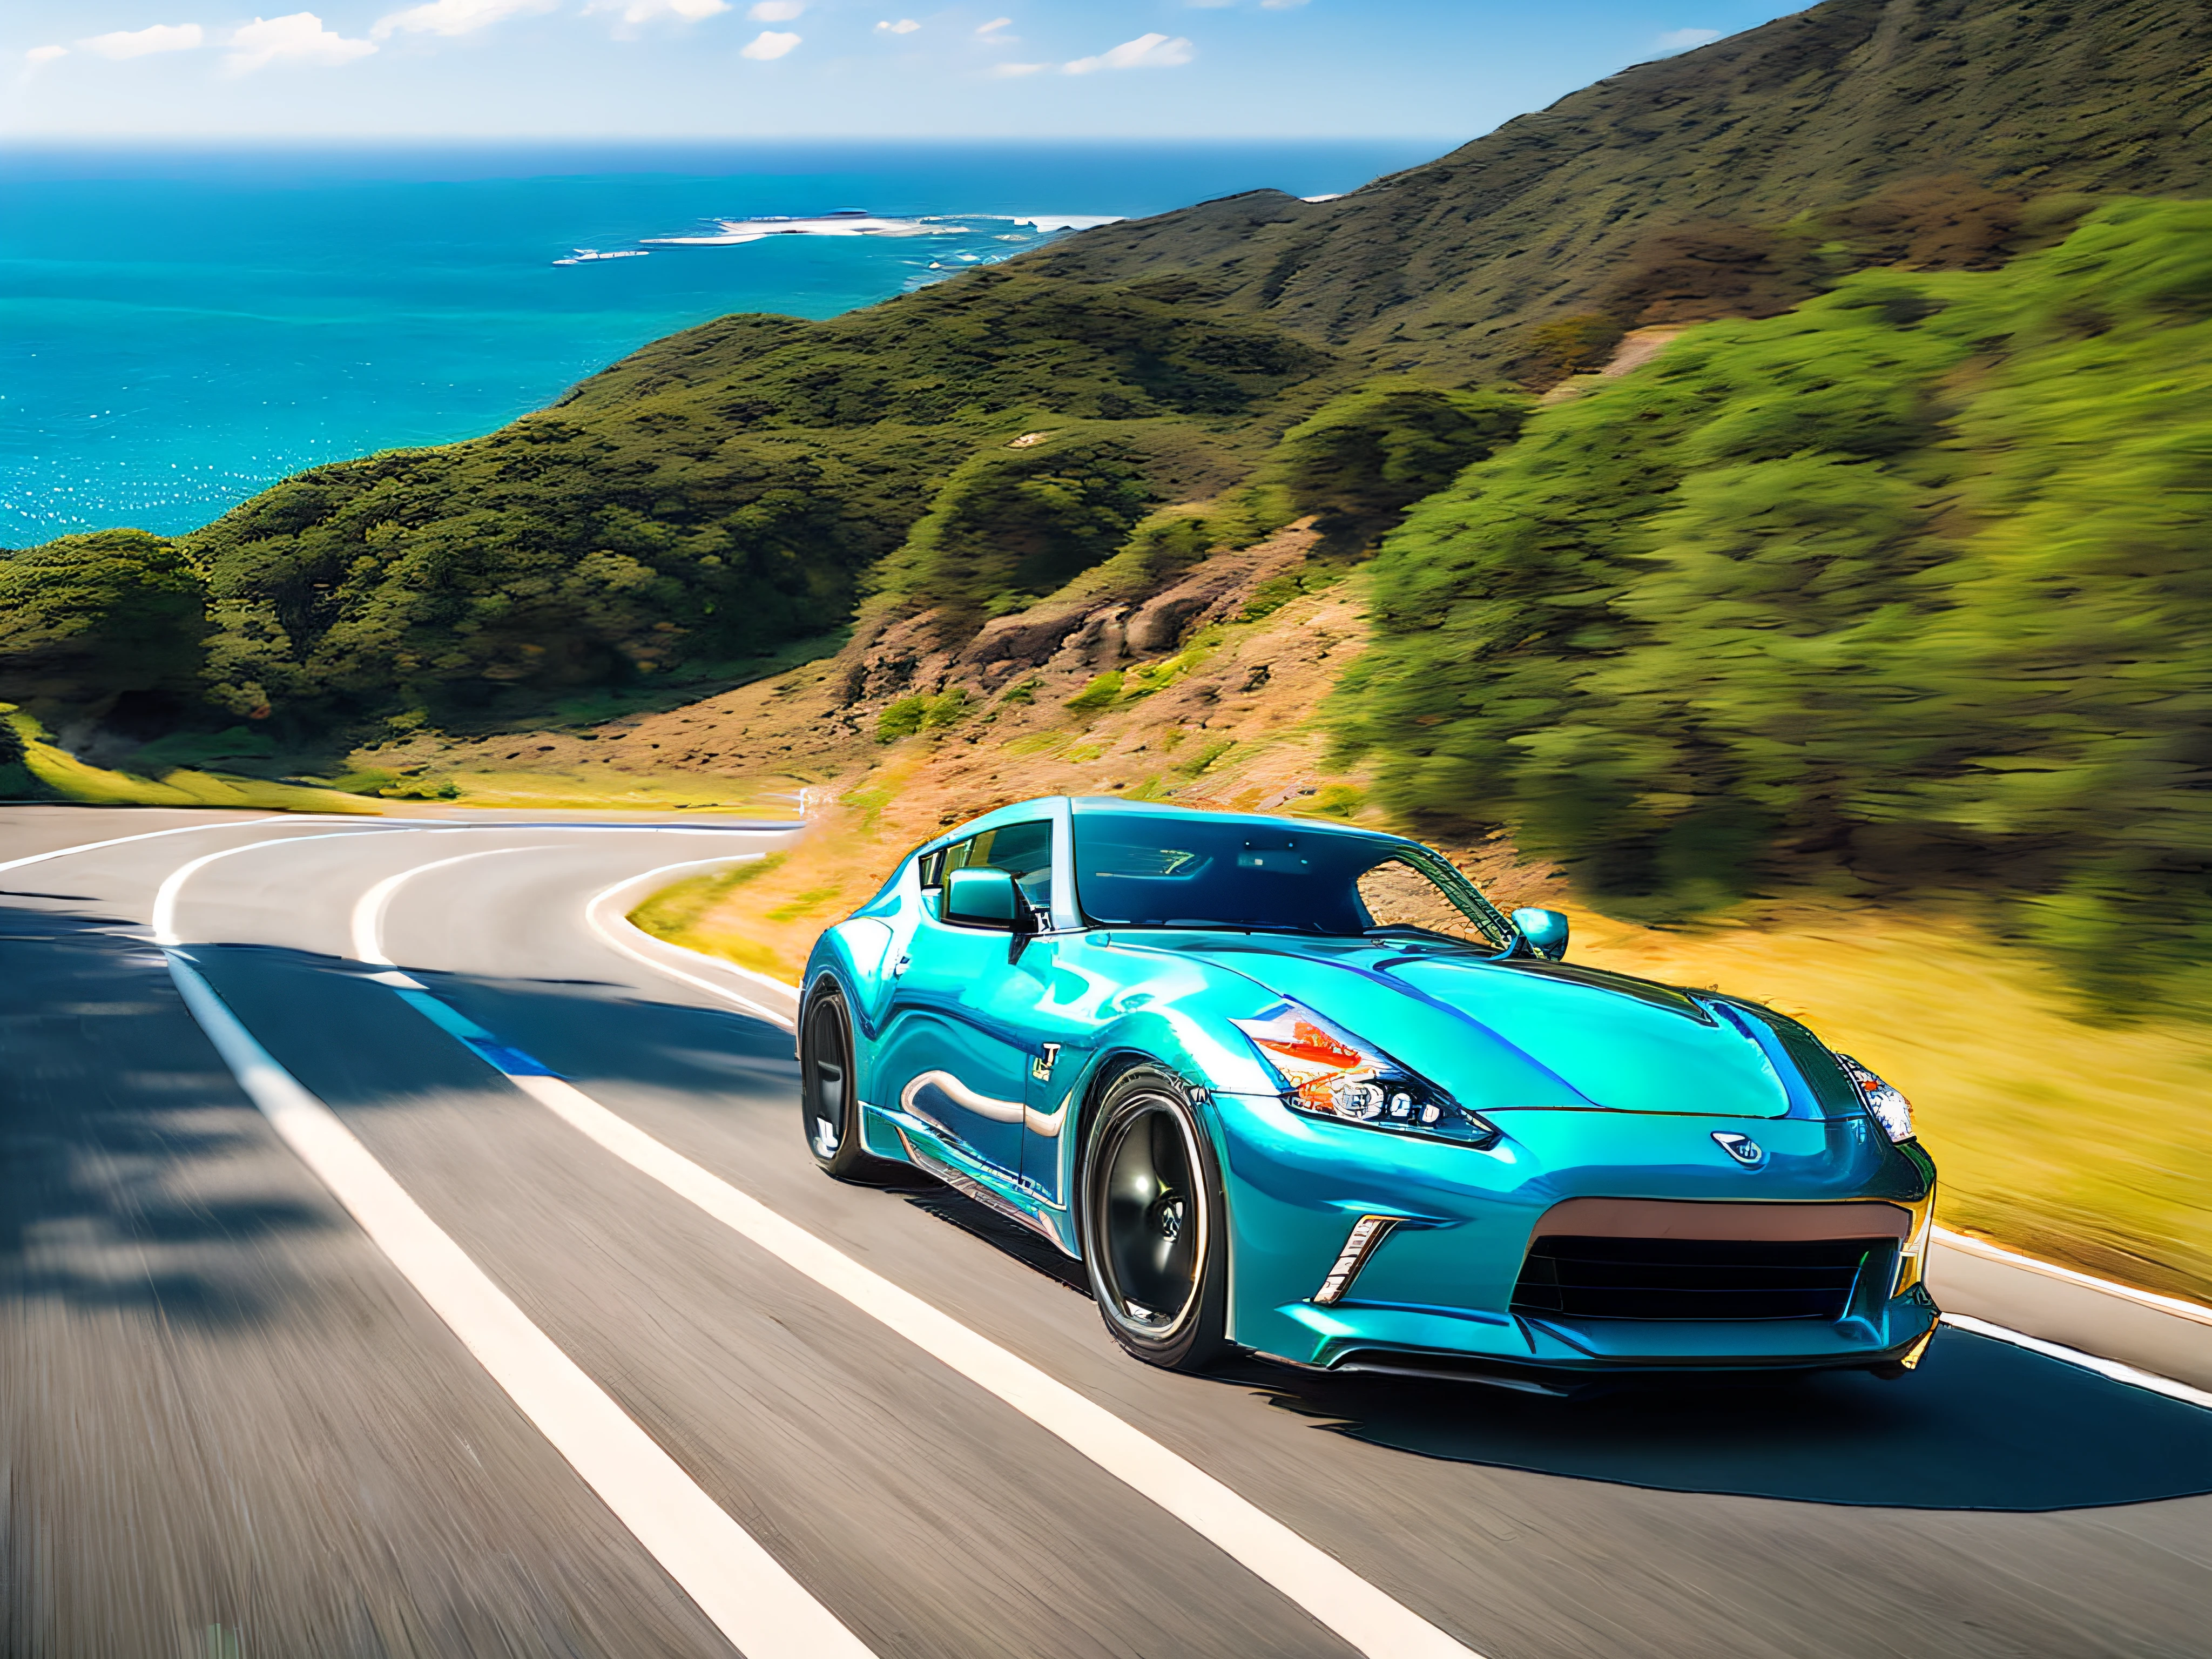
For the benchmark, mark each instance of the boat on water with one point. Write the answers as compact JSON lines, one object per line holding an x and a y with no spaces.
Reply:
{"x":585,"y":255}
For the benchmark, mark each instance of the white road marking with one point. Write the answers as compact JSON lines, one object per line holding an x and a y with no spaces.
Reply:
{"x":612,"y":928}
{"x":2147,"y":1381}
{"x":181,"y":829}
{"x":1983,"y":1247}
{"x":368,"y":910}
{"x":765,"y":1613}
{"x":1373,"y":1622}
{"x":171,"y":890}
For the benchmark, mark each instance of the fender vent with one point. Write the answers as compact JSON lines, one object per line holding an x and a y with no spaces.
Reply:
{"x":1574,"y":1277}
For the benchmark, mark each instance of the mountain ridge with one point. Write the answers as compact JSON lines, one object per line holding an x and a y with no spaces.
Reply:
{"x":1444,"y":266}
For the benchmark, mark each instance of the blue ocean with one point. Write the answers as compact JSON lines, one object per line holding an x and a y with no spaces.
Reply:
{"x":178,"y":328}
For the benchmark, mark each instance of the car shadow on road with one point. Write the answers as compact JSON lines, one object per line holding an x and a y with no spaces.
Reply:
{"x":1981,"y":1425}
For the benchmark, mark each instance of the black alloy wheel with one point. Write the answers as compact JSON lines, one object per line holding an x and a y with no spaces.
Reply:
{"x":828,"y":1106}
{"x":1155,"y":1235}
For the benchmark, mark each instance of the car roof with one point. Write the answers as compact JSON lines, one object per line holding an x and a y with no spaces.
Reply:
{"x":1112,"y":805}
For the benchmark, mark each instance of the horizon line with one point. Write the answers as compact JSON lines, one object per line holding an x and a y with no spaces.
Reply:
{"x":72,"y":141}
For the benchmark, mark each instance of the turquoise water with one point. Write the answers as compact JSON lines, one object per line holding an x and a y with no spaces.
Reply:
{"x":178,"y":330}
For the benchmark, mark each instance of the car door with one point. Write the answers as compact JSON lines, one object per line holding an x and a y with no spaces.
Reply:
{"x":961,"y":1030}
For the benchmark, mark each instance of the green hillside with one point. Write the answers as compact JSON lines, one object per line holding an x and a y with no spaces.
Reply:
{"x":1905,"y":590}
{"x":711,"y":498}
{"x":1733,"y":180}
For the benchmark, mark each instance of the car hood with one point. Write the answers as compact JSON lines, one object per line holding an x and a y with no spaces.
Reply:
{"x":1527,"y":1032}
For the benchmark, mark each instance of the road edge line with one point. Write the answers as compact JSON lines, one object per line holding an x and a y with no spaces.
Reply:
{"x":743,"y":1590}
{"x":162,"y":920}
{"x":366,"y":922}
{"x":609,"y":935}
{"x":180,"y":830}
{"x":2111,"y":1369}
{"x":1967,"y":1244}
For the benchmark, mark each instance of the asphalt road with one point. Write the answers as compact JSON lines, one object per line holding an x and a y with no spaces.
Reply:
{"x":231,"y":1424}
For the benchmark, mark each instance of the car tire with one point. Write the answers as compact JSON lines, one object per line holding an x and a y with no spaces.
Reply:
{"x":1155,"y":1227}
{"x":829,"y":1102}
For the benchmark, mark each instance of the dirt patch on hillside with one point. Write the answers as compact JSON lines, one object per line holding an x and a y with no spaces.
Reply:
{"x":1207,"y":691}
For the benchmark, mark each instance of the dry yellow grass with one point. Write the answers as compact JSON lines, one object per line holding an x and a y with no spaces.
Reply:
{"x":2083,"y":1143}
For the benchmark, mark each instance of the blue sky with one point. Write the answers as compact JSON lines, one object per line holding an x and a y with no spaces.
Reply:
{"x":88,"y":70}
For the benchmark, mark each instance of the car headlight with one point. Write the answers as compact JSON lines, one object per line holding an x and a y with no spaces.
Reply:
{"x":1890,"y":1108}
{"x":1330,"y":1073}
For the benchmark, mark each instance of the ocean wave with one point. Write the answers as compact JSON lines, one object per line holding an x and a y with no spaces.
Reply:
{"x":858,"y":221}
{"x":849,"y":222}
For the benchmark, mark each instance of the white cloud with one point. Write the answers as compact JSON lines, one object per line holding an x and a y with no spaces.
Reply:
{"x":1009,"y":70}
{"x":38,"y":57}
{"x":904,"y":25}
{"x":776,"y":11}
{"x":1683,"y":39}
{"x":299,"y":37}
{"x":993,"y":25}
{"x":137,"y":43}
{"x":455,"y":16}
{"x":1279,"y":5}
{"x":1146,"y":52}
{"x":644,"y":11}
{"x":769,"y":45}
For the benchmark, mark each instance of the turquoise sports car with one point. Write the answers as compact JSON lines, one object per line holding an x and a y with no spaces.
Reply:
{"x":1299,"y":1089}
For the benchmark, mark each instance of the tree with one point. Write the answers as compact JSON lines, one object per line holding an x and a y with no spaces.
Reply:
{"x":106,"y":625}
{"x":1365,"y":457}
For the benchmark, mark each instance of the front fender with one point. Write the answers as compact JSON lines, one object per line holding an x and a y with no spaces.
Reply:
{"x":851,"y":954}
{"x":1209,"y":1054}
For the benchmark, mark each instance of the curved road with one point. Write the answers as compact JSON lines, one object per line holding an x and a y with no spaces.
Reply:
{"x":476,"y":1296}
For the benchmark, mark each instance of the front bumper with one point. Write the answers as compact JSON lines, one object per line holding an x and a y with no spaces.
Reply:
{"x":1548,"y":1357}
{"x":1437,"y":1296}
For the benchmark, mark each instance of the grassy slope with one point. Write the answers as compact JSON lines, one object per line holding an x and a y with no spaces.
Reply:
{"x":1642,"y":188}
{"x":36,"y":770}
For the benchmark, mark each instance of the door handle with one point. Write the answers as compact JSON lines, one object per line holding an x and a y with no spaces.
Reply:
{"x":901,"y":965}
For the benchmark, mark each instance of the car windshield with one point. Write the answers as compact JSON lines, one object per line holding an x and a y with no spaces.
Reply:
{"x":1142,"y":870}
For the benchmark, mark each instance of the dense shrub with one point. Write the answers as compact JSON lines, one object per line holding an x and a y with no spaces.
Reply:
{"x":1010,"y":525}
{"x":89,"y":622}
{"x":1909,"y":587}
{"x":1365,"y":457}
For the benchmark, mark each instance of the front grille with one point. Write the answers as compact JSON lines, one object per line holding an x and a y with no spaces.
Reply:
{"x":1570,"y":1277}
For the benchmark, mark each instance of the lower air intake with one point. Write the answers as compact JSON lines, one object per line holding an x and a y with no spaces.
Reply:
{"x":1573,"y":1277}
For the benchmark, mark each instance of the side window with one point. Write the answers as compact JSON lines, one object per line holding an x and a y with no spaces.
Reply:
{"x":1024,"y":851}
{"x":1397,"y":895}
{"x":932,"y":873}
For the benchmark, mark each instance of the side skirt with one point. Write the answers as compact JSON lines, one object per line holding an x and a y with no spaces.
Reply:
{"x":929,"y":1159}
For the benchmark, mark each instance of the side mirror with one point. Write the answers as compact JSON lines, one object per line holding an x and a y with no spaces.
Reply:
{"x":983,"y":898}
{"x":1546,"y":931}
